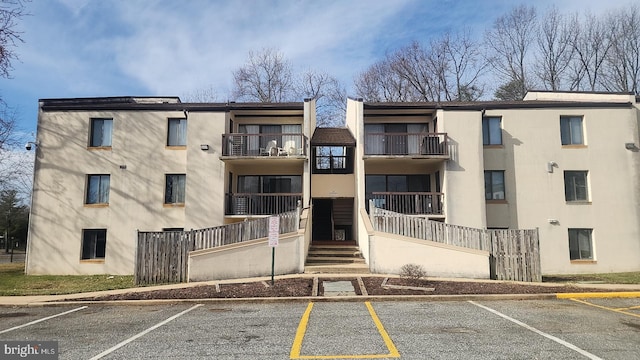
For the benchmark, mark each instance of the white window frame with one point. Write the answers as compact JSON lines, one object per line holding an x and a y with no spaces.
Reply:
{"x":571,"y":187}
{"x":572,"y":130}
{"x":577,"y":247}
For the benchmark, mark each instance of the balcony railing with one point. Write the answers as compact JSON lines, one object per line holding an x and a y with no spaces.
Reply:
{"x":406,"y":144}
{"x":271,"y":144}
{"x":411,"y":203}
{"x":261,"y":204}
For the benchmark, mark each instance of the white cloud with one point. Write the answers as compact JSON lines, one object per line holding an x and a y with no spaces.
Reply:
{"x":76,"y":48}
{"x":178,"y":50}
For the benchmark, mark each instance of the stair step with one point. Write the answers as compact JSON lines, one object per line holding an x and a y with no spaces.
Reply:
{"x":333,"y":260}
{"x":334,"y":247}
{"x":337,"y":269}
{"x":329,"y":253}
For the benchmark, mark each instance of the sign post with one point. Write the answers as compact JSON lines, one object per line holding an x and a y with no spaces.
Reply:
{"x":274,"y":234}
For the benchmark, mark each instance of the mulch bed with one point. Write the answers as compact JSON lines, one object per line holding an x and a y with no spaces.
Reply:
{"x":300,"y":287}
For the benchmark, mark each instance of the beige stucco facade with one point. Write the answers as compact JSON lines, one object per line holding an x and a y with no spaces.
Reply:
{"x":534,"y":191}
{"x":530,"y":154}
{"x":137,"y":162}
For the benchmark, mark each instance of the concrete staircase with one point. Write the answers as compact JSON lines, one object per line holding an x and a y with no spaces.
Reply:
{"x":335,"y":259}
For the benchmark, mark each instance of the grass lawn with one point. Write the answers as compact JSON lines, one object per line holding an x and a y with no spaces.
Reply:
{"x":611,"y":278}
{"x":13,"y":281}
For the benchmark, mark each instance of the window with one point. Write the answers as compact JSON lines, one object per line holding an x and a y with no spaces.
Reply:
{"x":491,"y":131}
{"x":94,"y":243}
{"x":396,"y":139}
{"x":571,"y":130}
{"x":97,"y":189}
{"x":397,"y":183}
{"x":408,"y":194}
{"x":173,"y":229}
{"x":494,"y":185}
{"x":101,"y":132}
{"x":265,"y":194}
{"x":177,"y":134}
{"x":333,"y":160}
{"x":580,"y":246}
{"x":174,"y":189}
{"x":266,"y":184}
{"x":575,"y":186}
{"x":262,"y":139}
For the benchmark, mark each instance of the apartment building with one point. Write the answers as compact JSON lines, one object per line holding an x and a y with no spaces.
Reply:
{"x":564,"y":163}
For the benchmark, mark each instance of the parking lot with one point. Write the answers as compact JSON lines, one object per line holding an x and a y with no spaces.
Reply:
{"x":540,"y":329}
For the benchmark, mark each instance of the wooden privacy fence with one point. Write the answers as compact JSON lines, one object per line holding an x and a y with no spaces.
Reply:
{"x":514,"y":254}
{"x":162,"y":256}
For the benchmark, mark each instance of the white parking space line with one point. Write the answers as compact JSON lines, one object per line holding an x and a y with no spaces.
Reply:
{"x":548,"y":336}
{"x":43,"y":319}
{"x":138,"y":335}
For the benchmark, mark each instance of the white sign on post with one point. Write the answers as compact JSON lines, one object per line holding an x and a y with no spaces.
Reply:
{"x":274,"y":231}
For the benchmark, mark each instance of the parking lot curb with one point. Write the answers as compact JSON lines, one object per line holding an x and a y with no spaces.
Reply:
{"x":595,"y":295}
{"x":302,"y":299}
{"x":305,"y":299}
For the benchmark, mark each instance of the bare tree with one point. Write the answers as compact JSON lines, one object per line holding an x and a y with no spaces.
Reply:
{"x":623,"y":60}
{"x":448,"y":69}
{"x":466,"y":65}
{"x":510,"y":40}
{"x":421,"y":70}
{"x":555,"y":52}
{"x":381,"y":82}
{"x":10,"y":12}
{"x":204,"y":95}
{"x":16,"y":167}
{"x":330,"y":96}
{"x":591,"y":45}
{"x":266,"y":77}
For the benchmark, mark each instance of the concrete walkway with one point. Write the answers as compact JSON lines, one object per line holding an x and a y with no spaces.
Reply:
{"x":340,"y":293}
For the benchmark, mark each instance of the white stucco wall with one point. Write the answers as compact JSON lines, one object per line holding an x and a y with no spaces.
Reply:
{"x":137,"y":163}
{"x":390,"y":252}
{"x":463,"y":184}
{"x":136,"y":194}
{"x":205,"y":171}
{"x":534,"y":196}
{"x":365,"y":231}
{"x":247,"y":259}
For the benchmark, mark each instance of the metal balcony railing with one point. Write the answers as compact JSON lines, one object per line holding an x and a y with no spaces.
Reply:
{"x":271,"y":144}
{"x":411,"y":203}
{"x":260,"y":203}
{"x":406,"y":144}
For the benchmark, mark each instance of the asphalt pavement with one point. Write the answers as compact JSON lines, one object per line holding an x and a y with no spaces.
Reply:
{"x":473,"y":329}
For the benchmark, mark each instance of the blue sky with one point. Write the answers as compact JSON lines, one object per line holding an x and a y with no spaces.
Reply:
{"x":87,"y":48}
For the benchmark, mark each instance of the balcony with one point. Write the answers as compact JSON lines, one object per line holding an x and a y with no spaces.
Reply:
{"x":261,"y":203}
{"x":264,"y":145}
{"x":410,"y":203}
{"x":407,"y":144}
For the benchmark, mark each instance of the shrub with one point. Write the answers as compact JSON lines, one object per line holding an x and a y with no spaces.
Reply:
{"x":413,"y":272}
